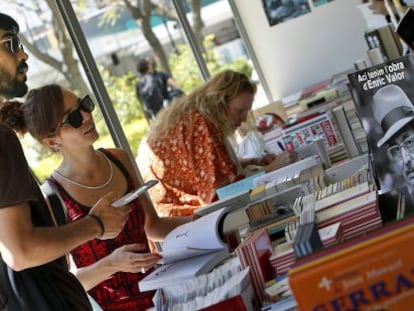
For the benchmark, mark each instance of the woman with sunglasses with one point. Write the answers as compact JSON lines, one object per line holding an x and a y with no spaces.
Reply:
{"x":108,"y":270}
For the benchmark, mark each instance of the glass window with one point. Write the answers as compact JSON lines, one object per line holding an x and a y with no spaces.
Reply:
{"x":118,"y":38}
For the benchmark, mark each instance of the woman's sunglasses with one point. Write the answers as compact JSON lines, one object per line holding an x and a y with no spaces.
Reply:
{"x":13,"y":44}
{"x":74,"y":119}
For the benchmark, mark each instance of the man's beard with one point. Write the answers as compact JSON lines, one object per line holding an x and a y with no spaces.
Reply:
{"x":11,"y":87}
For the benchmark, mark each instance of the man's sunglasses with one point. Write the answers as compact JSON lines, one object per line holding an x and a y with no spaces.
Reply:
{"x":13,"y":44}
{"x":74,"y":119}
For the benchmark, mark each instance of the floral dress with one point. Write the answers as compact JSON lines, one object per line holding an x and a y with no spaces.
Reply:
{"x":190,"y":163}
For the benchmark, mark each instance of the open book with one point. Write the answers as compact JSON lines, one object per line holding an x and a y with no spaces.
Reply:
{"x":189,"y":250}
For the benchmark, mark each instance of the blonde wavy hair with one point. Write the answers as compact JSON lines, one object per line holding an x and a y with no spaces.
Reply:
{"x":211,"y":100}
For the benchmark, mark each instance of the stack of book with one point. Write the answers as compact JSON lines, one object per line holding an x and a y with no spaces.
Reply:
{"x":352,"y":201}
{"x":340,"y":192}
{"x":284,"y":256}
{"x":293,"y":169}
{"x":307,"y":239}
{"x":254,"y":252}
{"x":332,"y":234}
{"x":209,"y":292}
{"x":356,"y":126}
{"x":350,"y":128}
{"x":314,"y":178}
{"x":357,"y":215}
{"x":345,"y":131}
{"x":266,"y":212}
{"x":277,"y":288}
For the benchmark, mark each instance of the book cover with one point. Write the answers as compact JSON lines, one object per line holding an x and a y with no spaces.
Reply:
{"x":263,"y":249}
{"x":301,"y":134}
{"x":370,"y":273}
{"x":189,"y":251}
{"x":238,"y":187}
{"x":254,"y":252}
{"x":383,"y":96}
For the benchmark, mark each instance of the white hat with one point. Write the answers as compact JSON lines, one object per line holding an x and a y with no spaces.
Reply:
{"x":264,"y":121}
{"x":392,"y":110}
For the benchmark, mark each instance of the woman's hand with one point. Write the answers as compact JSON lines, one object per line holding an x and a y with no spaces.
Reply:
{"x":130,"y":258}
{"x":282,"y":160}
{"x":267,"y":159}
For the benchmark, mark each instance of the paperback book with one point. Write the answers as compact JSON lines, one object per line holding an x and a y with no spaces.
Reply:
{"x":383,"y":96}
{"x":372,"y":272}
{"x":189,"y":250}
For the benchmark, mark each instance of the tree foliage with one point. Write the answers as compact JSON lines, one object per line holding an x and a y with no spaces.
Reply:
{"x":185,"y":69}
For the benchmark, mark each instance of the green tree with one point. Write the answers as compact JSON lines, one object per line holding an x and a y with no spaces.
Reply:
{"x":186,"y":71}
{"x":142,"y":11}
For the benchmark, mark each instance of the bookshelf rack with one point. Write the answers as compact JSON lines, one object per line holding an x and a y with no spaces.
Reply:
{"x":353,"y":228}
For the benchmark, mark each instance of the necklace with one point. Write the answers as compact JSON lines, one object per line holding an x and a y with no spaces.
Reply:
{"x":106,"y":183}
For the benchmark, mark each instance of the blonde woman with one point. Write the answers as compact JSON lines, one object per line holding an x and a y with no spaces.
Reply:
{"x":186,"y":148}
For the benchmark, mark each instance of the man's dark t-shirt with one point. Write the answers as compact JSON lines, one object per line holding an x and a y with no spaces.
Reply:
{"x":47,"y":287}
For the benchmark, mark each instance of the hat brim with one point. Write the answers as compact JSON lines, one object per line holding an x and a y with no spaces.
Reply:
{"x":393,"y":130}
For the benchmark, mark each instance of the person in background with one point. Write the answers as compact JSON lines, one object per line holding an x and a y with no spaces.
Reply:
{"x":33,"y":270}
{"x":108,"y":270}
{"x":187,"y":148}
{"x":379,"y":7}
{"x":155,"y":89}
{"x":268,"y":122}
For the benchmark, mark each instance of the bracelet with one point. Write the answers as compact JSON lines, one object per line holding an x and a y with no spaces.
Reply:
{"x":99,"y":222}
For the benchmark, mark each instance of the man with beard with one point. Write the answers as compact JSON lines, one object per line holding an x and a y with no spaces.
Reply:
{"x":33,"y":269}
{"x":394,"y":112}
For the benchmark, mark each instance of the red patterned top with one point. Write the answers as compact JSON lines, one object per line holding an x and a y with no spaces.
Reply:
{"x":190,"y":163}
{"x":120,"y":291}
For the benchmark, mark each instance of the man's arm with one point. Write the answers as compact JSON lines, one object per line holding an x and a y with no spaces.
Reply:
{"x":24,"y":245}
{"x":172,"y":83}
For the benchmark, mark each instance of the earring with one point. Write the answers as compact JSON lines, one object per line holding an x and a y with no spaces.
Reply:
{"x":56,"y":147}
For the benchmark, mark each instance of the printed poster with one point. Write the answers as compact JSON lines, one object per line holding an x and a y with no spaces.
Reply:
{"x":302,"y":134}
{"x":317,"y":3}
{"x":279,"y":11}
{"x":383,"y":96}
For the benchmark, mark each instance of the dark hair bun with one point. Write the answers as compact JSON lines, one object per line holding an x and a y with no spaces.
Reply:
{"x":11,"y":113}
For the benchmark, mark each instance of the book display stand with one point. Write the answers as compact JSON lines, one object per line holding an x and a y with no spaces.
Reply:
{"x":323,"y":233}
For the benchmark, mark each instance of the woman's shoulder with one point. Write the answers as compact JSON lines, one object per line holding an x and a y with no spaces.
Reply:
{"x":197,"y":118}
{"x":118,"y":153}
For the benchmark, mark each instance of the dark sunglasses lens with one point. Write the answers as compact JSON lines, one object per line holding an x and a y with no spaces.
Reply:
{"x":74,"y":119}
{"x":15,"y":44}
{"x":87,"y":104}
